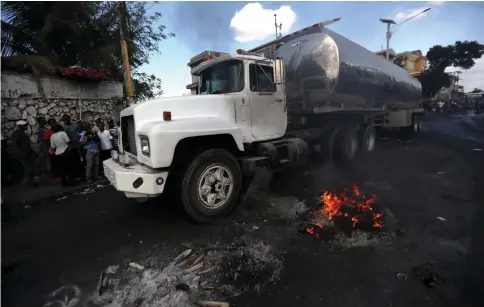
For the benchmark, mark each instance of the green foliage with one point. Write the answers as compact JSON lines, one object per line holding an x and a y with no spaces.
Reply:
{"x":476,"y":90}
{"x":86,"y":34}
{"x":460,"y":54}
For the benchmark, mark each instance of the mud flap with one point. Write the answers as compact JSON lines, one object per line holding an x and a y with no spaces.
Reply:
{"x":253,"y":183}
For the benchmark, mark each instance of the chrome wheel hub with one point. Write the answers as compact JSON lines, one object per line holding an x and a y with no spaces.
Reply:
{"x":215,"y":186}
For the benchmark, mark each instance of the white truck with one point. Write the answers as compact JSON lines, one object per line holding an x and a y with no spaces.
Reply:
{"x":312,"y":95}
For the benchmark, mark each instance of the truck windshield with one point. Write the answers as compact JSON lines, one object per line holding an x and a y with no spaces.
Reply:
{"x":226,"y":77}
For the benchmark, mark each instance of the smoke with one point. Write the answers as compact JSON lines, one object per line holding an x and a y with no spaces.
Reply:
{"x":205,"y":25}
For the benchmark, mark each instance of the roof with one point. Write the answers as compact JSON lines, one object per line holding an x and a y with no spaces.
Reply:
{"x":192,"y":85}
{"x":223,"y":58}
{"x":203,"y":56}
{"x":390,"y":51}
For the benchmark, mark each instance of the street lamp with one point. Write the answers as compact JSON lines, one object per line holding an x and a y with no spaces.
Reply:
{"x":391,"y":22}
{"x":389,"y":34}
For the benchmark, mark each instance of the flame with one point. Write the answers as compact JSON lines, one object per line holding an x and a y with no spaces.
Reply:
{"x":333,"y":205}
{"x":312,"y":230}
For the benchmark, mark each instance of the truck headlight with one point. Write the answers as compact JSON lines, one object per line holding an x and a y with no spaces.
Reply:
{"x":145,"y":145}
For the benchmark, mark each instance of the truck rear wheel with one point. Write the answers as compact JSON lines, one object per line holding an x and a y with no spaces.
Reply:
{"x":367,"y":138}
{"x":211,"y":185}
{"x":345,"y":146}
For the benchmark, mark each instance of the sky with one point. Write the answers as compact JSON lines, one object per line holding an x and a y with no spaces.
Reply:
{"x":227,"y":26}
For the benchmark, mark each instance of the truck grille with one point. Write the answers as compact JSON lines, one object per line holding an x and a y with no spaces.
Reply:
{"x":128,"y":134}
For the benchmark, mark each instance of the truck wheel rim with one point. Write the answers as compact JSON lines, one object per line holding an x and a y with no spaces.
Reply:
{"x":215,"y":186}
{"x":370,"y":142}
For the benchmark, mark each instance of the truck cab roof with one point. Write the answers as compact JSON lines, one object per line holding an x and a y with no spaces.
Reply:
{"x":223,"y":58}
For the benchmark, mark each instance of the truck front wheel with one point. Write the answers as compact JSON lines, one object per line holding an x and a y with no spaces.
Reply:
{"x":211,"y":185}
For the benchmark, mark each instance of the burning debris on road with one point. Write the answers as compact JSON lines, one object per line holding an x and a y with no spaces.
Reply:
{"x":346,"y":211}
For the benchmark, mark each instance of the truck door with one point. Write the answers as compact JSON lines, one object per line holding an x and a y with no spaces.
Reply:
{"x":267,"y":103}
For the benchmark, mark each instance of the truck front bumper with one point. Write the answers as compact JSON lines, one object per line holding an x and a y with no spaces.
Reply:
{"x":135,"y":180}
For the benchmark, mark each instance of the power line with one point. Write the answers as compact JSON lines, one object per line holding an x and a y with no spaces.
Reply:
{"x":410,"y":18}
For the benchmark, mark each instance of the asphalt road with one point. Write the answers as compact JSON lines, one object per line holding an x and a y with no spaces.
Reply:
{"x":427,"y":189}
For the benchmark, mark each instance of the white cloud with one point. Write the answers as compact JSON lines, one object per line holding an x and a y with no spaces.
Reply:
{"x":401,"y":16}
{"x":471,"y":78}
{"x":254,"y":23}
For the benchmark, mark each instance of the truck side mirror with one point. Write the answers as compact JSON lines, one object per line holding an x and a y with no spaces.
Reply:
{"x":279,"y":71}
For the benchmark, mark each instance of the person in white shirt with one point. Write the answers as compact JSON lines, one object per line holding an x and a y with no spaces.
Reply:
{"x":59,"y":144}
{"x":106,"y":144}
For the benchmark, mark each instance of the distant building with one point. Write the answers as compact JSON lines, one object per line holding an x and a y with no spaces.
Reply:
{"x":197,"y":60}
{"x":453,"y":91}
{"x":412,"y":61}
{"x":391,"y":53}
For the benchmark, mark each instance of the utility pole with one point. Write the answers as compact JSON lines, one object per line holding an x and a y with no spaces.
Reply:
{"x":389,"y":35}
{"x":277,"y":27}
{"x":128,"y":84}
{"x":389,"y":22}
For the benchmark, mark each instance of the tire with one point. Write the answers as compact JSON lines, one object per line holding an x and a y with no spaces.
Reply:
{"x":345,"y":146}
{"x":208,"y":207}
{"x":414,"y":129}
{"x":367,"y":139}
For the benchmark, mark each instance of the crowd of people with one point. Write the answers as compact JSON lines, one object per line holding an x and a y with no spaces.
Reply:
{"x":71,"y":152}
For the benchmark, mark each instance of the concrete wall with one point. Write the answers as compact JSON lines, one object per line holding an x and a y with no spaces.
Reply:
{"x":82,"y":100}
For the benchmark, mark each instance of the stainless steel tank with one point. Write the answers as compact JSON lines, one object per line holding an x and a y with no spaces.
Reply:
{"x":326,"y":72}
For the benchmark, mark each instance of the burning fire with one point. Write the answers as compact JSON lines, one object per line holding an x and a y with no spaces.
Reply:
{"x":335,"y":205}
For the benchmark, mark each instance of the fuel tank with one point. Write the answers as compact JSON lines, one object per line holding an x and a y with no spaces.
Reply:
{"x":326,"y":72}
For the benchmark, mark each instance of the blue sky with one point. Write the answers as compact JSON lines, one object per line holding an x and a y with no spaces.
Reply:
{"x":227,"y":26}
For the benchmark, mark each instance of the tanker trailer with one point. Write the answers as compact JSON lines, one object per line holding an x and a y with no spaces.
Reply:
{"x":302,"y":99}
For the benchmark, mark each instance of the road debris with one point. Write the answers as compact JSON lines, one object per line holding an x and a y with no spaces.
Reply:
{"x":441,"y":219}
{"x":198,"y":259}
{"x":207,"y":270}
{"x":401,"y":276}
{"x":182,"y":287}
{"x":136,"y":266}
{"x":182,"y":256}
{"x":61,"y":198}
{"x":105,"y":280}
{"x":194,"y":268}
{"x":212,"y":304}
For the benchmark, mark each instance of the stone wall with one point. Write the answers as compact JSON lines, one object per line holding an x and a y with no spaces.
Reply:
{"x":82,"y":100}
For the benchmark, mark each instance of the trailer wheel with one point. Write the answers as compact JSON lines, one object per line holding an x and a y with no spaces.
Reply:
{"x":414,"y":129}
{"x":367,"y":139}
{"x":345,"y":146}
{"x":211,"y":185}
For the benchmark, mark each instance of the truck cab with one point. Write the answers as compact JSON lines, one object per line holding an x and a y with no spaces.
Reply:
{"x":240,"y":101}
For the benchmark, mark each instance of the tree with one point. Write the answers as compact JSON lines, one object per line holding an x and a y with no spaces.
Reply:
{"x":476,"y":90}
{"x":85,"y":34}
{"x":460,"y":54}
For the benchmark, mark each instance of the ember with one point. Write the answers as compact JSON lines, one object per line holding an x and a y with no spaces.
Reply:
{"x":348,"y":205}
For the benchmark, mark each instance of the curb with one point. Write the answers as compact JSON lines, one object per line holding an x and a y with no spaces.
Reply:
{"x":58,"y":194}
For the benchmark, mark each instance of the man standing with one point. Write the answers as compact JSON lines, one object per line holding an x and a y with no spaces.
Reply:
{"x":21,"y":146}
{"x":90,"y":141}
{"x":72,"y":130}
{"x":44,"y":147}
{"x":106,"y":145}
{"x":114,"y":131}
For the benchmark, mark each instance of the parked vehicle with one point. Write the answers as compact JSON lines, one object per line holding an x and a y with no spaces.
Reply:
{"x":317,"y":96}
